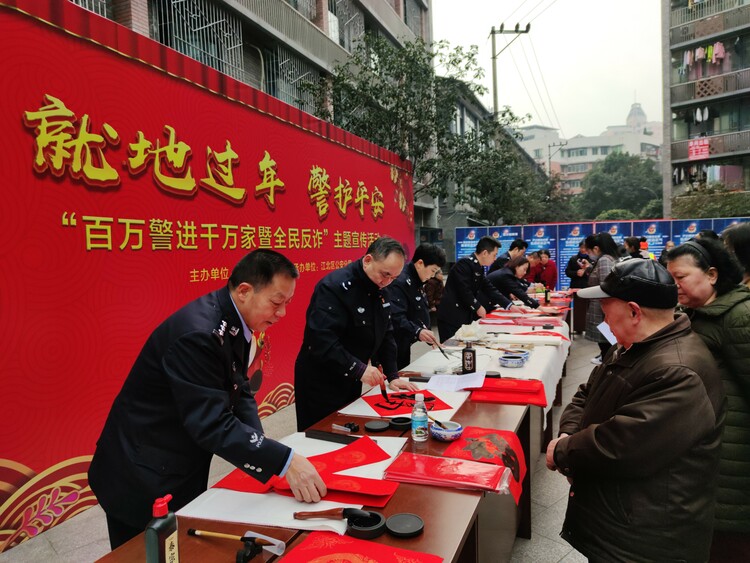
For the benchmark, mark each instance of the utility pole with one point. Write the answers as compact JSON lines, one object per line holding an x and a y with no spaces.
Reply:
{"x":517,"y":32}
{"x":550,"y":153}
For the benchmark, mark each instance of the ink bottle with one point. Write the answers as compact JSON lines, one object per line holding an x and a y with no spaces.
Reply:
{"x":161,"y":534}
{"x":468,"y":359}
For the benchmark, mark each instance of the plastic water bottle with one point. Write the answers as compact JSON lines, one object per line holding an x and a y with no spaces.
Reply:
{"x":419,"y":419}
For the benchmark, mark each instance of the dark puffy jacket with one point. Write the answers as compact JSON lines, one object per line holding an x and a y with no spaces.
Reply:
{"x":724,"y":326}
{"x":643,"y":451}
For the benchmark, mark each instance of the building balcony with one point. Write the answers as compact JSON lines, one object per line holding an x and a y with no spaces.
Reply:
{"x":701,"y":19}
{"x":728,"y":144}
{"x":721,"y":86}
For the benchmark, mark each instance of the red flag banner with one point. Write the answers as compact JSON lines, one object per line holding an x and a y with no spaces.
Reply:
{"x":134,"y":179}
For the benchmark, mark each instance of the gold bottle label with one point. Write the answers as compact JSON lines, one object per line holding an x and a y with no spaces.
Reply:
{"x":171,"y":553}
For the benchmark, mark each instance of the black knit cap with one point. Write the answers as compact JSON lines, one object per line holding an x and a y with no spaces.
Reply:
{"x":645,"y":282}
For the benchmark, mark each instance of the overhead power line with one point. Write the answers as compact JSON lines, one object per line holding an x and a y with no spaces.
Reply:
{"x":544,"y":82}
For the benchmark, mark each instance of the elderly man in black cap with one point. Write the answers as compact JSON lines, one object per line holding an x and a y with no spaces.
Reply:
{"x":639,"y":441}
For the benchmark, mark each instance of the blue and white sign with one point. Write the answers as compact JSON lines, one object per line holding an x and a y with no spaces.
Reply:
{"x":467,"y":239}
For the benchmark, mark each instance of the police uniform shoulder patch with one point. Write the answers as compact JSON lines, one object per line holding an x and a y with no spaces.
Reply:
{"x":219,"y":331}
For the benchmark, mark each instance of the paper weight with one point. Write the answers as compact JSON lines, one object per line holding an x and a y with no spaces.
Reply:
{"x":400,"y":423}
{"x":404,"y":525}
{"x":377,"y":425}
{"x":366,"y":528}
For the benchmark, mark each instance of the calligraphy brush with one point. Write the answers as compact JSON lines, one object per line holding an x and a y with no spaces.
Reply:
{"x":436,"y":343}
{"x":436,"y":421}
{"x":382,"y":385}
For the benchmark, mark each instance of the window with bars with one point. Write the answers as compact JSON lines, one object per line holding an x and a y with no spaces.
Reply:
{"x":201,"y":30}
{"x":349,"y":20}
{"x":285,"y":75}
{"x":100,"y":7}
{"x":413,"y":16}
{"x":305,"y":7}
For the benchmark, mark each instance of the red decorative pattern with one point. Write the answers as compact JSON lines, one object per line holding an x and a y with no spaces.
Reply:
{"x":326,"y":547}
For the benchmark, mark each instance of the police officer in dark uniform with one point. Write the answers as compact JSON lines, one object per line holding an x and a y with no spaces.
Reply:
{"x":348,"y":335}
{"x":459,"y":305}
{"x":188,"y":397}
{"x":517,"y":248}
{"x":410,"y":312}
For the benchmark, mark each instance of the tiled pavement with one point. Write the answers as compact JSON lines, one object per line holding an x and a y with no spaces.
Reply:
{"x":84,"y":538}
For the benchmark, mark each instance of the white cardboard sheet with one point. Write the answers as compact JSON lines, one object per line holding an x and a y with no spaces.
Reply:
{"x":268,"y":509}
{"x":271,"y":509}
{"x":453,"y":398}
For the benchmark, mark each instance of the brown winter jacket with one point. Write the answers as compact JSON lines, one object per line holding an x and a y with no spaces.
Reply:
{"x":643,"y":452}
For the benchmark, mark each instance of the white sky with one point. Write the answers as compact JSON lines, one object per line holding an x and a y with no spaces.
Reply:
{"x":596,"y":57}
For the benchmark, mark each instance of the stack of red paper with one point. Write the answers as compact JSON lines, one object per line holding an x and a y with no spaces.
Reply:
{"x":506,"y":391}
{"x":538,"y":321}
{"x":447,"y":472}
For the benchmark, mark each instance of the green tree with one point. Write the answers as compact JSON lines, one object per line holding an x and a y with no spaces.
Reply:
{"x":620,"y":181}
{"x":555,"y":207}
{"x":495,"y":176}
{"x":392,"y":96}
{"x":615,"y":215}
{"x":654,"y":209}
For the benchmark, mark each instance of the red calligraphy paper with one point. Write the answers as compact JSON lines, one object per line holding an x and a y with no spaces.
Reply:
{"x":342,"y":488}
{"x":536,"y":321}
{"x":327,"y":547}
{"x":538,"y":399}
{"x":544,"y":333}
{"x":444,"y":472}
{"x":402,"y":403}
{"x":498,"y":447}
{"x":360,"y":452}
{"x":359,"y":485}
{"x":505,"y":391}
{"x":511,"y":385}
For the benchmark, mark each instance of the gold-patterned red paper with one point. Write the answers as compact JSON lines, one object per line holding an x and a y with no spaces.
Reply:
{"x":489,"y":445}
{"x":327,"y":547}
{"x":445,"y":472}
{"x":402,"y":403}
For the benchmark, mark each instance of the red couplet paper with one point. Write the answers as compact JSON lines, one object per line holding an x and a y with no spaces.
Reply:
{"x":402,"y":403}
{"x":342,"y":488}
{"x":488,"y":445}
{"x":327,"y":547}
{"x":544,"y":333}
{"x":444,"y":472}
{"x":511,"y":392}
{"x":536,"y":321}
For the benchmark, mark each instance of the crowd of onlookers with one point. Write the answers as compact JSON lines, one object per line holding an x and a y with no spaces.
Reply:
{"x":672,"y":382}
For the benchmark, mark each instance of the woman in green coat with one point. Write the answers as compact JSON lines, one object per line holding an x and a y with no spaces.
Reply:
{"x":707,"y":279}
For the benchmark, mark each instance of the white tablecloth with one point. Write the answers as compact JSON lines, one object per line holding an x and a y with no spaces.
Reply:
{"x":545,"y":362}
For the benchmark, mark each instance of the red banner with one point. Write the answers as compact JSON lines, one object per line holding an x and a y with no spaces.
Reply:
{"x":134,"y":179}
{"x":698,"y":149}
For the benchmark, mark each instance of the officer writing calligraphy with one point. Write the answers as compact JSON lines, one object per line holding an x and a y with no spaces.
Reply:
{"x":460,"y":305}
{"x":348,"y":335}
{"x":188,"y":397}
{"x":409,"y":309}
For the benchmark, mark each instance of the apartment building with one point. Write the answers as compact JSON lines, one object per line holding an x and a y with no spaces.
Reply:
{"x":575,"y":157}
{"x":706,"y":50}
{"x":275,"y":46}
